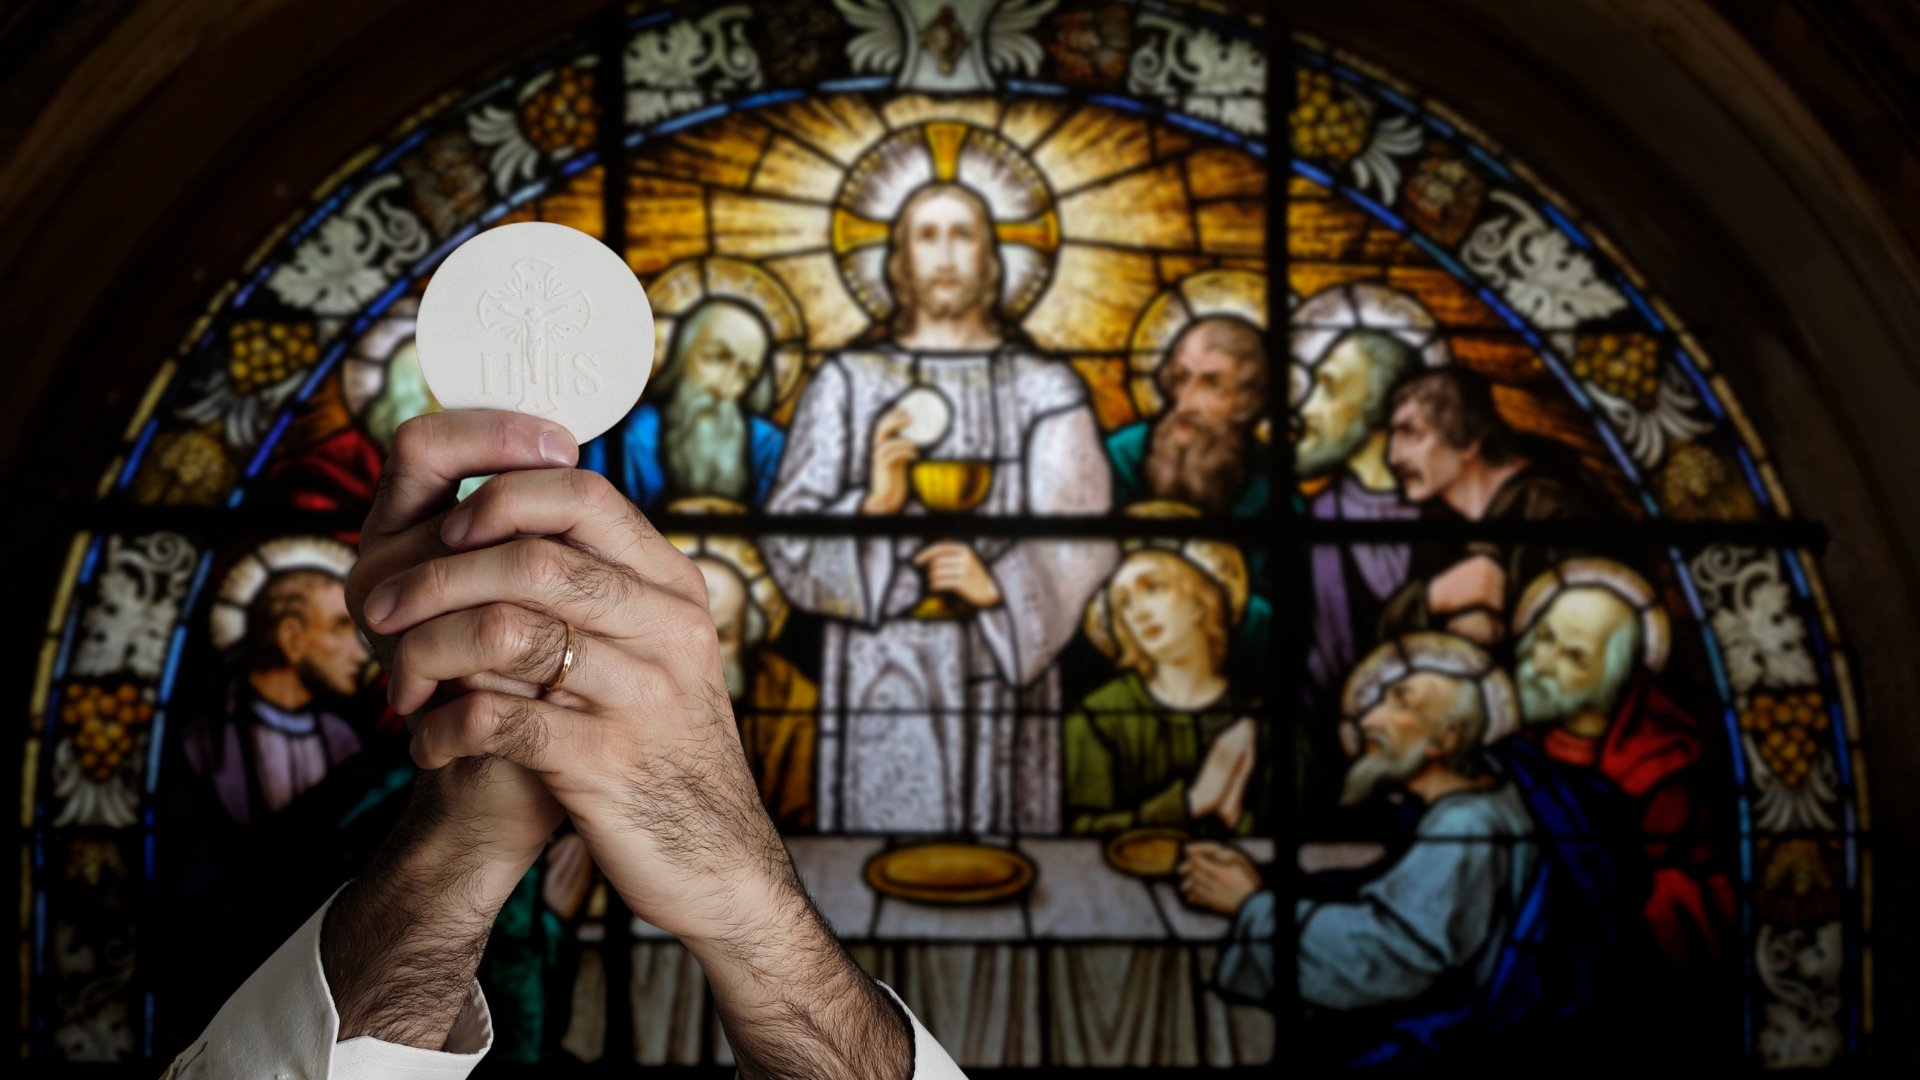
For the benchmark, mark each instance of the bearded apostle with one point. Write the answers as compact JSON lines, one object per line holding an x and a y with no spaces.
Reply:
{"x":1591,"y":638}
{"x":700,"y":432}
{"x":1203,"y":449}
{"x":1431,"y":925}
{"x":934,"y":650}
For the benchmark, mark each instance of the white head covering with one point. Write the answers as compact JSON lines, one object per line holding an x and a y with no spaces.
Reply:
{"x":1442,"y":654}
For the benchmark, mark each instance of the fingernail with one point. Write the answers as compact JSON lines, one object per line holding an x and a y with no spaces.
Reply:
{"x":380,"y":604}
{"x":454,"y":529}
{"x":556,"y":448}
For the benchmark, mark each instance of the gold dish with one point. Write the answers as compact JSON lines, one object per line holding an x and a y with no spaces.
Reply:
{"x":1150,"y":852}
{"x":950,"y":873}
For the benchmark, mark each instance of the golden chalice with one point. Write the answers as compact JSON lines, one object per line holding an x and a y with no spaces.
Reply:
{"x":948,"y":487}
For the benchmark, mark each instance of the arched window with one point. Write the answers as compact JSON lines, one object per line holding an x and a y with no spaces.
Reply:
{"x":1399,"y":640}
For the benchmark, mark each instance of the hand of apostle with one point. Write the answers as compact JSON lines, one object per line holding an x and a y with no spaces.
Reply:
{"x":891,"y":457}
{"x":1479,"y":626}
{"x":1215,"y":877}
{"x":953,"y":566}
{"x":401,"y":942}
{"x":638,"y":744}
{"x":1220,"y":787}
{"x":1475,"y":582}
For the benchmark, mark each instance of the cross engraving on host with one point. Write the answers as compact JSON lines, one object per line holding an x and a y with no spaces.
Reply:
{"x":537,"y":311}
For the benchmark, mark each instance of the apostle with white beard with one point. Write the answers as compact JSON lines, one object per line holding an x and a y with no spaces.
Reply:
{"x":919,"y":725}
{"x":700,"y":432}
{"x":1424,"y":708}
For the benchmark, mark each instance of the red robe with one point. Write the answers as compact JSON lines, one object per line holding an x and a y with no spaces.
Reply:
{"x":338,"y":474}
{"x":1653,"y":752}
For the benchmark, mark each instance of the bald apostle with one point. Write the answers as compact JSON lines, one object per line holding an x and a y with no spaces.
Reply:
{"x":920,"y":703}
{"x":1427,"y":932}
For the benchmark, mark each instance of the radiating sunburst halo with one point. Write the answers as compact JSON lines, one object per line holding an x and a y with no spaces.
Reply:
{"x":1026,"y":224}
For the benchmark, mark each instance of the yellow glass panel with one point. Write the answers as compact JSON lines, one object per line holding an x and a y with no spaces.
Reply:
{"x":850,"y":231}
{"x":1147,"y":209}
{"x":666,"y":222}
{"x":1106,"y":379}
{"x":1029,"y":119}
{"x":1092,"y":143}
{"x":1042,"y":232}
{"x":943,"y":143}
{"x":833,"y":318}
{"x":795,"y":171}
{"x":1169,"y":141}
{"x":1175,"y":267}
{"x":839,"y":127}
{"x":752,"y":225}
{"x":1443,"y":295}
{"x":580,"y":203}
{"x":1095,"y":298}
{"x":1217,"y":172}
{"x":1307,"y":278}
{"x":721,"y":151}
{"x":1233,"y":226}
{"x":914,"y":108}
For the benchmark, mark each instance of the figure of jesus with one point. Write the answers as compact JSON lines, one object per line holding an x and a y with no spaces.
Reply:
{"x":942,"y":725}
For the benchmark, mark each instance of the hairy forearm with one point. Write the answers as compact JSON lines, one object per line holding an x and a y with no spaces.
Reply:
{"x":794,"y":1004}
{"x":401,"y":942}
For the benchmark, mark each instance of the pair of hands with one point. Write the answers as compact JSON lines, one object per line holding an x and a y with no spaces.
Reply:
{"x":467,"y":605}
{"x":638,"y":745}
{"x":1220,"y":787}
{"x":951,"y":566}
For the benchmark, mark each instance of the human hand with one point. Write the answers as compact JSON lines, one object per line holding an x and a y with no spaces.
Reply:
{"x":890,"y":457}
{"x":1478,"y":581}
{"x":400,"y":944}
{"x":1215,"y":877}
{"x":638,"y":745}
{"x":507,"y":813}
{"x":954,"y":567}
{"x":1220,"y":787}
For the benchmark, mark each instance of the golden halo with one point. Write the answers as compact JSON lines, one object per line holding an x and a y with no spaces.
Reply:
{"x":1219,"y":561}
{"x":1238,"y":293}
{"x":684,"y":286}
{"x":1026,"y":224}
{"x":227,"y":622}
{"x":737,"y":552}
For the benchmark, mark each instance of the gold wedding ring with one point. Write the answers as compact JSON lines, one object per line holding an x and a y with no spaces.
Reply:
{"x":566,"y":662}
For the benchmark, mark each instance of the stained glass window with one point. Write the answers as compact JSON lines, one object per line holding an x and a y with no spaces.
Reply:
{"x":1400,"y":641}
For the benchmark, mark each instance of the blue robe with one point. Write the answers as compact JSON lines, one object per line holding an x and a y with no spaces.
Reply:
{"x":629,"y":455}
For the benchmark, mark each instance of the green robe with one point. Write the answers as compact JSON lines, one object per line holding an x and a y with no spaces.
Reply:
{"x":1129,"y":758}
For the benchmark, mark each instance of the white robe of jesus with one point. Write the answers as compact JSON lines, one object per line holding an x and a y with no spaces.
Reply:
{"x":943,"y":725}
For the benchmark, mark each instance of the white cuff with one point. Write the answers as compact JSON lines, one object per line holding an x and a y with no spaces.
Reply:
{"x":282,"y":1022}
{"x":930,"y":1060}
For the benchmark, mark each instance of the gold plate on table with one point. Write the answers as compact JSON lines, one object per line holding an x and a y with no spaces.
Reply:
{"x":1149,"y":853}
{"x":950,"y":873}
